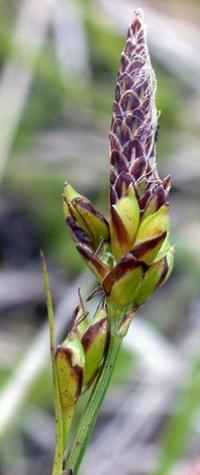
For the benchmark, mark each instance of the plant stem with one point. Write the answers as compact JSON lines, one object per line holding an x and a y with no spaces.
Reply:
{"x":67,"y":416}
{"x":92,"y":410}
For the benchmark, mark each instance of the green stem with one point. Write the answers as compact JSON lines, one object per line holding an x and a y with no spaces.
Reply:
{"x":67,"y":415}
{"x":90,"y":415}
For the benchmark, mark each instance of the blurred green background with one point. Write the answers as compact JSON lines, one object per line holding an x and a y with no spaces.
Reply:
{"x":58,"y":65}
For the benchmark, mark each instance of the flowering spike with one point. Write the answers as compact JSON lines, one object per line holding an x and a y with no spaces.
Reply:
{"x":136,"y":245}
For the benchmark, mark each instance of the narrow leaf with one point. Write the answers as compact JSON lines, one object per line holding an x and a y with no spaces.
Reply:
{"x":58,"y":458}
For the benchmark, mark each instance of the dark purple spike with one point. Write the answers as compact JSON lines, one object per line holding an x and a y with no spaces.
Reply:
{"x":135,"y":131}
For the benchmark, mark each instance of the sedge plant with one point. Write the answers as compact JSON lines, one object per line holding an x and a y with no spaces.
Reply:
{"x":129,"y":253}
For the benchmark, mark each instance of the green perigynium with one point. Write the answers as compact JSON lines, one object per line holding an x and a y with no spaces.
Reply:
{"x":129,"y":253}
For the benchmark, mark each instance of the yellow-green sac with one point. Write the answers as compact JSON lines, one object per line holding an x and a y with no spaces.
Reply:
{"x":147,"y":251}
{"x":70,"y":364}
{"x":122,"y":283}
{"x":154,"y":277}
{"x":85,"y":215}
{"x":125,"y":217}
{"x":151,"y":281}
{"x":95,"y":343}
{"x":154,"y":225}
